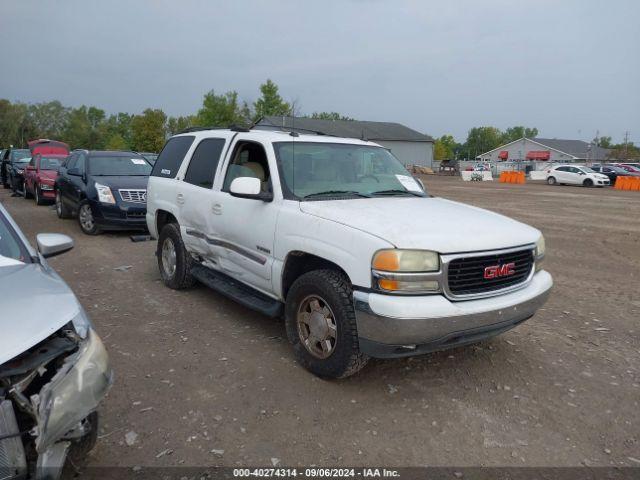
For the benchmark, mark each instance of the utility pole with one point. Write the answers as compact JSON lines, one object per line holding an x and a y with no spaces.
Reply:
{"x":626,"y":145}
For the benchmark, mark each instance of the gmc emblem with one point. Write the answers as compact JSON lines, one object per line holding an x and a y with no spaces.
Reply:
{"x":497,"y":271}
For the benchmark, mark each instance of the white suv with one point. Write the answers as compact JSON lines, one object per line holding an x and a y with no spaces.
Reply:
{"x":576,"y":175}
{"x":335,"y":234}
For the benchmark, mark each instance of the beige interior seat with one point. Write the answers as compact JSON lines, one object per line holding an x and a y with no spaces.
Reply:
{"x":257,"y":169}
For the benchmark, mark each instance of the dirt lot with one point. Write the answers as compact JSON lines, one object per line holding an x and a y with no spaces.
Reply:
{"x":203,"y":381}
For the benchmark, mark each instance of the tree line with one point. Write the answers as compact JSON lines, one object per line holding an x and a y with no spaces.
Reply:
{"x":90,"y":127}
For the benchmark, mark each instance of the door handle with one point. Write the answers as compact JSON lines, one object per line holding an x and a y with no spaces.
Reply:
{"x":216,"y":208}
{"x":180,"y":198}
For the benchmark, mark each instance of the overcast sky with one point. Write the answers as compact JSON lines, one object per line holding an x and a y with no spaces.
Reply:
{"x":569,"y":68}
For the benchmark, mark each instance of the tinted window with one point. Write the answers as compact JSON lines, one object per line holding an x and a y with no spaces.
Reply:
{"x":119,"y":165}
{"x":563,"y":169}
{"x":10,"y":244}
{"x":203,"y":164}
{"x":19,"y":154}
{"x":71,"y":163}
{"x":80,"y":164}
{"x":50,"y":163}
{"x":171,"y":157}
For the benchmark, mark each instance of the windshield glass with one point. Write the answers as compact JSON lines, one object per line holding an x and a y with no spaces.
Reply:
{"x":19,"y":154}
{"x":50,"y":163}
{"x":314,"y":169}
{"x":10,"y":244}
{"x":129,"y":165}
{"x":586,"y":170}
{"x":23,"y":161}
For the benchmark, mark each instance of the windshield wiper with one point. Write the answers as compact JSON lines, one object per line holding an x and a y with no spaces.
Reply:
{"x":396,"y":191}
{"x":337,"y":192}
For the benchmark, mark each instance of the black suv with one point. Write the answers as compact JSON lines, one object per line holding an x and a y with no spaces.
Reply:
{"x":105,"y":190}
{"x":11,"y":158}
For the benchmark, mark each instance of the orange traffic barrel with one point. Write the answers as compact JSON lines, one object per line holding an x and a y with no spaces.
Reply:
{"x":636,"y":184}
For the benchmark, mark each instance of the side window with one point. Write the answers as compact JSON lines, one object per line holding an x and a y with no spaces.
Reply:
{"x":171,"y":156}
{"x":562,"y":169}
{"x":204,"y":162}
{"x":80,"y":163}
{"x":248,"y":160}
{"x":71,"y":163}
{"x":32,"y":162}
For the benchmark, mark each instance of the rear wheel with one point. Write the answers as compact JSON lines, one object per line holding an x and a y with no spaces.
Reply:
{"x":174,"y":261}
{"x":38,"y":197}
{"x":551,"y":180}
{"x":86,"y":220}
{"x":588,"y":182}
{"x":321,"y":324}
{"x":61,"y":209}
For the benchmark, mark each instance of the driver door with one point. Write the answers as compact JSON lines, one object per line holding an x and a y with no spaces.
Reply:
{"x":245,"y":228}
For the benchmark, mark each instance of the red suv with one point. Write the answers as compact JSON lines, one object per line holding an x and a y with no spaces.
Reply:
{"x":47,"y":157}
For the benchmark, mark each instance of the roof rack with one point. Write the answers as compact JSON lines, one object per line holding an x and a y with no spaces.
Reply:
{"x":233,"y":128}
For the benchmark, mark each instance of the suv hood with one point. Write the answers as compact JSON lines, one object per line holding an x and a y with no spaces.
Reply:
{"x":35,"y":303}
{"x":426,"y":223}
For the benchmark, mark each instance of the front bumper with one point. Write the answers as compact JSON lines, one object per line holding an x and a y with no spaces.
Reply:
{"x":121,"y":216}
{"x":397,"y":326}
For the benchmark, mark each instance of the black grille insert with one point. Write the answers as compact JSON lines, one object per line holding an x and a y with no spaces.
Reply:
{"x":466,"y":275}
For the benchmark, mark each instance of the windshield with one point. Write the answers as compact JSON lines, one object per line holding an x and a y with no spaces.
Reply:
{"x":130,"y":165}
{"x":23,"y":161}
{"x":19,"y":154}
{"x":314,"y":169}
{"x":587,"y":170}
{"x":50,"y":163}
{"x":10,"y":244}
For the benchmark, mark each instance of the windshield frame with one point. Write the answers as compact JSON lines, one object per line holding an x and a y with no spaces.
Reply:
{"x":288,"y":194}
{"x":16,"y":237}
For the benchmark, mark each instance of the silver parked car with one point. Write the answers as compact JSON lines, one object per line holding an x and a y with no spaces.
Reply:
{"x":54,"y":369}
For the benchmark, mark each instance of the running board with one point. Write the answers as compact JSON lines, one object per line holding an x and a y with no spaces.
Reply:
{"x":238,"y":291}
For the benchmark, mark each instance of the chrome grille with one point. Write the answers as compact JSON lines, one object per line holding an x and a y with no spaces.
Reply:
{"x":466,"y":275}
{"x":133,"y":196}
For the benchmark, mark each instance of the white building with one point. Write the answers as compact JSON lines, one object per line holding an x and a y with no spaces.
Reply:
{"x":408,"y":146}
{"x":547,"y":149}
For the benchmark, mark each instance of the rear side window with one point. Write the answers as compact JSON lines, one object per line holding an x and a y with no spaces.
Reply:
{"x":204,"y":162}
{"x":171,"y":157}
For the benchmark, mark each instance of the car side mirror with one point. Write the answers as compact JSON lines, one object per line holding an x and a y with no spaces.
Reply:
{"x":52,"y":244}
{"x":249,"y":187}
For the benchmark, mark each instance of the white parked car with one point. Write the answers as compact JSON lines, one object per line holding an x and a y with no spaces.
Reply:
{"x":336,"y":235}
{"x":575,"y":175}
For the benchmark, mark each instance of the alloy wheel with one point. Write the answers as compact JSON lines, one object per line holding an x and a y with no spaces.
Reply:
{"x":86,"y":218}
{"x":169,"y":257}
{"x":317,"y":326}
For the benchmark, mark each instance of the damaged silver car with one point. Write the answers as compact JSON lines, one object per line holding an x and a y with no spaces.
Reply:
{"x":54,"y":369}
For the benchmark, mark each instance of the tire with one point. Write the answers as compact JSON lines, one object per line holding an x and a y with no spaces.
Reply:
{"x":588,"y":182}
{"x":85,"y":219}
{"x":61,"y":209}
{"x":174,"y":262}
{"x":551,"y":180}
{"x":38,"y":197}
{"x":25,"y":193}
{"x":341,"y":356}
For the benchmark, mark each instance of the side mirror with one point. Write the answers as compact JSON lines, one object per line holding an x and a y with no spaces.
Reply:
{"x":52,"y":244}
{"x":73,"y":171}
{"x":249,"y":187}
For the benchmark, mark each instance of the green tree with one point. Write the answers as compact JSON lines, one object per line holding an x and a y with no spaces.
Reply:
{"x":85,"y":128}
{"x":482,"y":139}
{"x":116,"y":142}
{"x":516,"y":133}
{"x":604,"y":142}
{"x":15,"y":125}
{"x":117,"y":126}
{"x":270,"y":103}
{"x":149,"y":130}
{"x":49,"y":119}
{"x":444,"y":148}
{"x":178,"y":124}
{"x":329,"y":116}
{"x":220,"y":110}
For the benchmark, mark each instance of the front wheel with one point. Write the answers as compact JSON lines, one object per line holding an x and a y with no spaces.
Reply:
{"x":25,"y":191}
{"x":588,"y":182}
{"x":551,"y":180}
{"x":38,"y":197}
{"x":174,"y":261}
{"x":321,"y":324}
{"x":85,"y":219}
{"x":61,"y":209}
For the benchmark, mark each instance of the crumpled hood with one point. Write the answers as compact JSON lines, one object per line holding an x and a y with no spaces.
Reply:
{"x":35,"y":303}
{"x":426,"y":223}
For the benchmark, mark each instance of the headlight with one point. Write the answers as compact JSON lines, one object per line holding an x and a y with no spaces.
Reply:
{"x":104,"y":194}
{"x":74,"y":392}
{"x":406,"y":271}
{"x":539,"y":252}
{"x":19,"y":171}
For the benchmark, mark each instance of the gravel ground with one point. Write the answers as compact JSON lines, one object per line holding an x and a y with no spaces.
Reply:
{"x":203,"y":381}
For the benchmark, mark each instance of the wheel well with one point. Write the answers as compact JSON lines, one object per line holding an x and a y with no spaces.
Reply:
{"x":298,"y":263}
{"x":163,"y":218}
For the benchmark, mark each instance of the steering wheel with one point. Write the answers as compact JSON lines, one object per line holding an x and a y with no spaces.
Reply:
{"x":369,"y":176}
